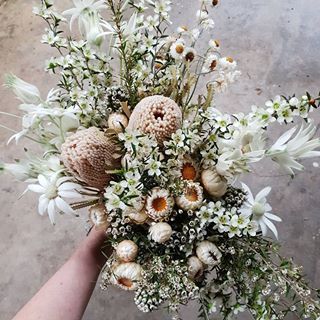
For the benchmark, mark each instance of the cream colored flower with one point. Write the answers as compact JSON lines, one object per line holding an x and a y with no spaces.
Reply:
{"x":126,"y":275}
{"x":177,"y":49}
{"x":160,"y":232}
{"x":191,"y":198}
{"x":98,"y":216}
{"x":117,"y":122}
{"x":213,"y":183}
{"x":159,"y":204}
{"x":127,"y":251}
{"x":208,"y":253}
{"x":189,"y":170}
{"x":195,"y":267}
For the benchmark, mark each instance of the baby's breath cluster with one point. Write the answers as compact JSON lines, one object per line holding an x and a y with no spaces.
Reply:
{"x":129,"y":132}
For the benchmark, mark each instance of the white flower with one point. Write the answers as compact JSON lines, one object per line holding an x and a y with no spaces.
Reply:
{"x":208,"y":253}
{"x":113,"y":201}
{"x":81,"y":8}
{"x":227,"y":63}
{"x":285,"y":151}
{"x":260,"y":210}
{"x":154,"y":167}
{"x":160,"y":232}
{"x":214,"y":44}
{"x":211,"y":63}
{"x":177,"y":49}
{"x":189,"y":54}
{"x":205,"y":214}
{"x":26,"y":92}
{"x":127,"y":251}
{"x":126,"y":275}
{"x":53,"y":190}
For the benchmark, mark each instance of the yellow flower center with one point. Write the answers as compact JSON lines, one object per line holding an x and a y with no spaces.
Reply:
{"x":159,"y":204}
{"x":191,"y":195}
{"x":188,"y":172}
{"x":179,"y":48}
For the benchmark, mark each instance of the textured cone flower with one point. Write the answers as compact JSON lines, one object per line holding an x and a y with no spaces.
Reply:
{"x":127,"y":251}
{"x":126,"y":275}
{"x":87,"y":154}
{"x":159,"y":204}
{"x":191,"y":197}
{"x":156,"y":115}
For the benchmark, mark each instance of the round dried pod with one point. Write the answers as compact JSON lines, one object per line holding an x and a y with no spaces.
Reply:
{"x":87,"y":154}
{"x":117,"y":122}
{"x":127,"y":251}
{"x":160,"y":232}
{"x":138,"y":217}
{"x":156,"y":115}
{"x":98,"y":215}
{"x":213,"y":183}
{"x":195,"y":267}
{"x":191,"y":198}
{"x":159,"y":204}
{"x":208,"y":253}
{"x":126,"y":275}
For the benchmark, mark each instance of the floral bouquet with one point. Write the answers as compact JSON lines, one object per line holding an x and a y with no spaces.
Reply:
{"x":130,"y":134}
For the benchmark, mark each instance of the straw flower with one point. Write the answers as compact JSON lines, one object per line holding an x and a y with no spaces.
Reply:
{"x":195,"y":267}
{"x":126,"y":275}
{"x":117,"y":122}
{"x":213,"y":183}
{"x":127,"y":251}
{"x":98,"y":216}
{"x":160,"y":232}
{"x":159,"y":204}
{"x":208,"y":253}
{"x":191,"y":198}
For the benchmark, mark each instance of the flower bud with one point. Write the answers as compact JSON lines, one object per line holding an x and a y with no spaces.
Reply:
{"x":117,"y":122}
{"x":98,"y":216}
{"x":195,"y":267}
{"x":208,"y":253}
{"x":213,"y":183}
{"x":127,"y":251}
{"x":160,"y":232}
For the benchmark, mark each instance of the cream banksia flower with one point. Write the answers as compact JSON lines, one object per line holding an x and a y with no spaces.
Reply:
{"x":208,"y":253}
{"x":191,"y":197}
{"x":160,"y":232}
{"x":126,"y":275}
{"x":127,"y":251}
{"x":156,"y":115}
{"x":87,"y":154}
{"x":98,"y":216}
{"x":159,"y":204}
{"x":195,"y":267}
{"x":213,"y":183}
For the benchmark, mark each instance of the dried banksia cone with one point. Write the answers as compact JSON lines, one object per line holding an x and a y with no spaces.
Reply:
{"x":156,"y":115}
{"x":87,"y":154}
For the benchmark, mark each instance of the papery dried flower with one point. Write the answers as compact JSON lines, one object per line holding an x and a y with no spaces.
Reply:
{"x":195,"y":267}
{"x":189,"y":169}
{"x":159,"y":204}
{"x":126,"y":275}
{"x":87,"y":154}
{"x":191,"y":197}
{"x":98,"y":216}
{"x":117,"y":122}
{"x":137,"y":217}
{"x":156,"y":115}
{"x":208,"y":253}
{"x":127,"y":251}
{"x":160,"y":232}
{"x":213,"y":183}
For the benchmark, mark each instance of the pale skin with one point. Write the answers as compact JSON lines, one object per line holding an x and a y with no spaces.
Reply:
{"x":68,"y":291}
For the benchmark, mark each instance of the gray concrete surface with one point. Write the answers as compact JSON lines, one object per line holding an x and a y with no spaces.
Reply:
{"x":277,"y":45}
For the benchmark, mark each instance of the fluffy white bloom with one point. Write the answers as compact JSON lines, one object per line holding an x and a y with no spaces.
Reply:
{"x":208,"y":253}
{"x":260,"y":210}
{"x":160,"y":232}
{"x":53,"y":190}
{"x":126,"y":275}
{"x":127,"y":250}
{"x":24,"y":91}
{"x":286,"y":152}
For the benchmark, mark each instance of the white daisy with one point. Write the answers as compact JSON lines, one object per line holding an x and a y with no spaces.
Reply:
{"x":53,"y":190}
{"x":260,"y":210}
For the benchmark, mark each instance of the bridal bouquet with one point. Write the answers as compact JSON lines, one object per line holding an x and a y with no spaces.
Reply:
{"x":132,"y":133}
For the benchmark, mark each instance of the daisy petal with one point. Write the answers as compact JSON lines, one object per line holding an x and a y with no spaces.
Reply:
{"x":43,"y":204}
{"x":63,"y":206}
{"x":272,"y":216}
{"x":271,"y":226}
{"x":262,"y":194}
{"x":36,"y":188}
{"x":51,"y":211}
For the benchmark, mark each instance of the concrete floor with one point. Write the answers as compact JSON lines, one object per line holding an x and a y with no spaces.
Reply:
{"x":277,"y":45}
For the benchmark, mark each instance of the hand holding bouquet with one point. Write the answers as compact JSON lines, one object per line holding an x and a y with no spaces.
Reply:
{"x":131,"y":135}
